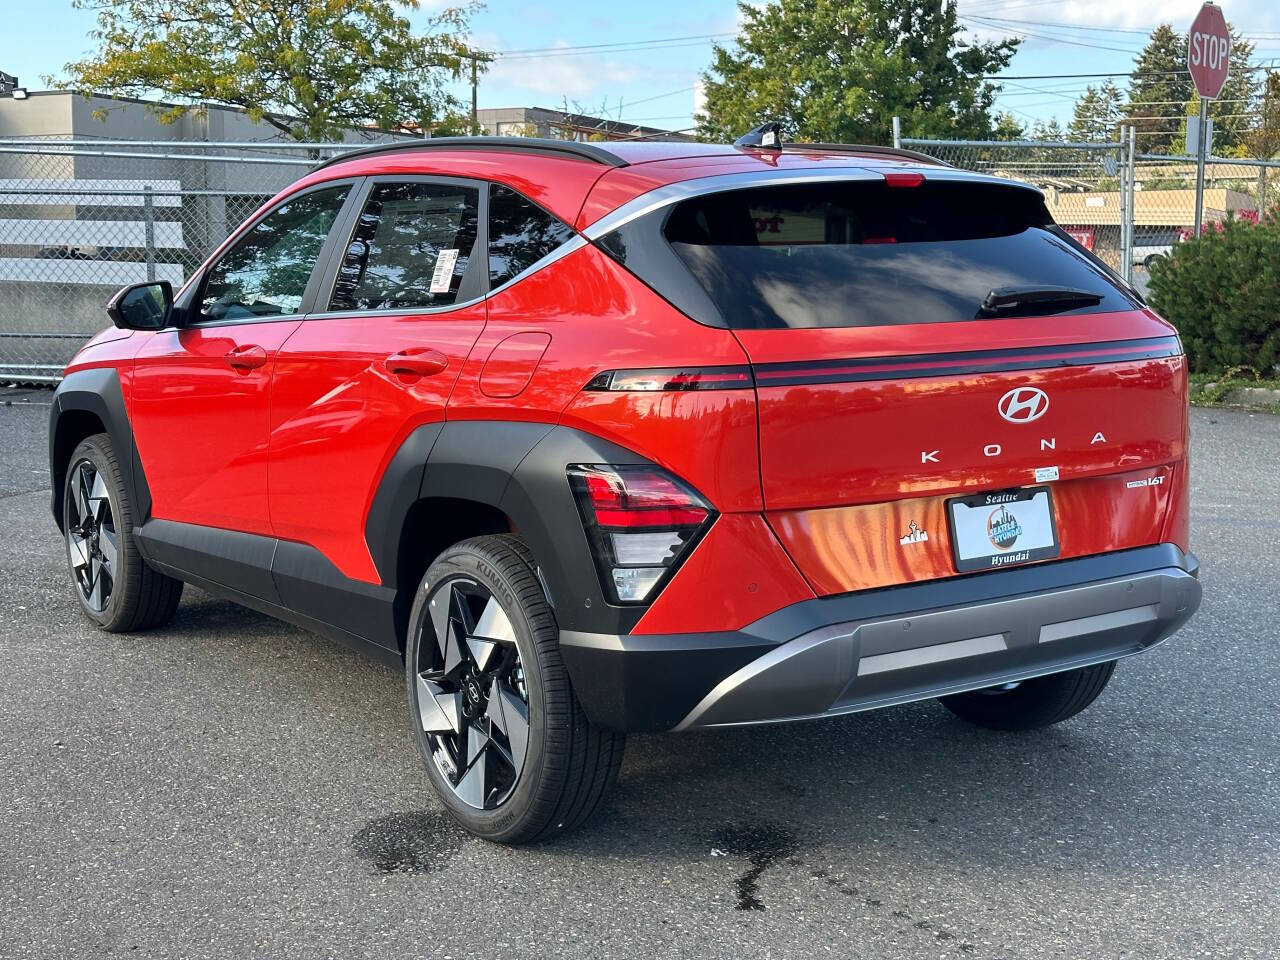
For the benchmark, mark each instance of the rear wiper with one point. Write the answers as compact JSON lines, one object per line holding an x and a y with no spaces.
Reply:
{"x":1009,"y":301}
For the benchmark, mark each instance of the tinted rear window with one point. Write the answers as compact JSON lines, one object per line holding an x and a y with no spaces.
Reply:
{"x":860,"y":253}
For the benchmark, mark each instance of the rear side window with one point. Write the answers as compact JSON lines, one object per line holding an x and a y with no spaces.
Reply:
{"x":520,"y":234}
{"x":864,"y":254}
{"x":410,"y":247}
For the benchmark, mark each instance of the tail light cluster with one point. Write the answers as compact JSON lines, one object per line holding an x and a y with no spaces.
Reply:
{"x":641,"y":522}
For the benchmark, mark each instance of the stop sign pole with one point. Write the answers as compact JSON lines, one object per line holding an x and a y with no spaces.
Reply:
{"x":1208,"y":57}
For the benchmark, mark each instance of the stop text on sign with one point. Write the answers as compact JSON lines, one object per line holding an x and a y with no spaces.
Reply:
{"x":1209,"y":50}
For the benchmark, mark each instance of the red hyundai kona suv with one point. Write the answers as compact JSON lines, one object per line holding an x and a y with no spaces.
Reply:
{"x":599,"y":438}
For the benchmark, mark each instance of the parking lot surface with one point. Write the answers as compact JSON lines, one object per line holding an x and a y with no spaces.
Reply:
{"x":231,"y":786}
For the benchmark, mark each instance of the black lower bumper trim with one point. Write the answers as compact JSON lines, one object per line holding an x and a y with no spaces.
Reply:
{"x":875,"y":648}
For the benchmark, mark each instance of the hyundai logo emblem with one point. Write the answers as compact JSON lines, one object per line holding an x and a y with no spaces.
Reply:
{"x":1023,"y":404}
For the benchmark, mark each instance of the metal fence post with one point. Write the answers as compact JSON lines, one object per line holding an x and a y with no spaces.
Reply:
{"x":1133,"y":200}
{"x":1200,"y":152}
{"x":1122,"y":169}
{"x":897,"y":133}
{"x":149,"y":228}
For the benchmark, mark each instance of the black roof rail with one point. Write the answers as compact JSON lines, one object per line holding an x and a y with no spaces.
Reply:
{"x":562,"y":148}
{"x":790,"y":147}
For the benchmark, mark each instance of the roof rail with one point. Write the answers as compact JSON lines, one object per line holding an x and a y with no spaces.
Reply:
{"x":790,"y":147}
{"x":562,"y":148}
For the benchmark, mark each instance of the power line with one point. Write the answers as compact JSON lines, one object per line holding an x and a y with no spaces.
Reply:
{"x":1251,"y":68}
{"x":1076,"y":26}
{"x":620,"y":46}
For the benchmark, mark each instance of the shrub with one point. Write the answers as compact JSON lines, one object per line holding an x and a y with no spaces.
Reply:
{"x":1222,"y":292}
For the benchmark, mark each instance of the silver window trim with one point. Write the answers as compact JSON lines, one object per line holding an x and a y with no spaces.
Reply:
{"x":574,"y":243}
{"x":673,"y":193}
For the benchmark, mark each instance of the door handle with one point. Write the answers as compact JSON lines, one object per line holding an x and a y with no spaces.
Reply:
{"x":248,"y":357}
{"x":420,"y":362}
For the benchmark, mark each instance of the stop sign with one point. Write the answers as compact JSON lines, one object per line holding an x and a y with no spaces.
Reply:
{"x":1208,"y":51}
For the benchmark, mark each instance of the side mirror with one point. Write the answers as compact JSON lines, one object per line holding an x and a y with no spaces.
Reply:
{"x":142,"y":306}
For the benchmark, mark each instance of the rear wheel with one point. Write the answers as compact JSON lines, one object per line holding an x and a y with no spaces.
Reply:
{"x":116,"y":588}
{"x":506,"y":745}
{"x":1033,"y":703}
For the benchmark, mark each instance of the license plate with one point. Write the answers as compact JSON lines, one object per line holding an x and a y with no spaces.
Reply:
{"x":1003,"y":528}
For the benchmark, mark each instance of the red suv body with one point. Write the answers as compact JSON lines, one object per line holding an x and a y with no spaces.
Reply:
{"x":780,"y":433}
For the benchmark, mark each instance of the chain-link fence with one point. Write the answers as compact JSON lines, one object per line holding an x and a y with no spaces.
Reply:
{"x":1130,"y":208}
{"x":80,"y":219}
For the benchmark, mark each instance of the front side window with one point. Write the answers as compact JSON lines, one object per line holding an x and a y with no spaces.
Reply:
{"x":410,"y":247}
{"x":266,"y":273}
{"x":520,"y":234}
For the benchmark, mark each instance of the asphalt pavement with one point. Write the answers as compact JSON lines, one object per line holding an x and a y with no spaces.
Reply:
{"x":232,"y":787}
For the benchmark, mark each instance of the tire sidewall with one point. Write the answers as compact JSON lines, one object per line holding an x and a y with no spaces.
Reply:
{"x":91,"y":450}
{"x":461,"y":562}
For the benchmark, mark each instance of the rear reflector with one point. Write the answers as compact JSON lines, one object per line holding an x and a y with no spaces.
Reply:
{"x":673,"y":379}
{"x":640,"y":521}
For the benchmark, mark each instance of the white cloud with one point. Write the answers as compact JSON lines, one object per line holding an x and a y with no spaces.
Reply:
{"x":575,"y":77}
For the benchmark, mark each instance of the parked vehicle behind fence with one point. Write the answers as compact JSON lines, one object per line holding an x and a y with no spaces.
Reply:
{"x":591,"y":439}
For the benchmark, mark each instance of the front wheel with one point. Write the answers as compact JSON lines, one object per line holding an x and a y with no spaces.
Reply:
{"x":1037,"y":702}
{"x":505,"y":742}
{"x":116,"y":588}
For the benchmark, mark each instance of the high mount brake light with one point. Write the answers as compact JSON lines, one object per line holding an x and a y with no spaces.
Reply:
{"x":672,"y":379}
{"x":641,"y":522}
{"x":903,"y":179}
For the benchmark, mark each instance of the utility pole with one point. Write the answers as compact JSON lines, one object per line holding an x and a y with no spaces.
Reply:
{"x":476,"y":59}
{"x":475,"y":111}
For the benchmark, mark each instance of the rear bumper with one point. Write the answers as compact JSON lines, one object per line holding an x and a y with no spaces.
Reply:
{"x":875,"y":648}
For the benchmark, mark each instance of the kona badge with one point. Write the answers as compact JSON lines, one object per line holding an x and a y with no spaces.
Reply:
{"x":1023,"y":404}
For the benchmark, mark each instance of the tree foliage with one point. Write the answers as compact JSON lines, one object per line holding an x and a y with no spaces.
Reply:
{"x":1263,"y":141}
{"x":1097,"y":114}
{"x":840,"y":70}
{"x":1008,"y":127}
{"x":309,"y":68}
{"x":1221,"y":291}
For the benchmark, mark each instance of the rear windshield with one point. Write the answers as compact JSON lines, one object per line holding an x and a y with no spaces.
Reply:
{"x":861,"y":253}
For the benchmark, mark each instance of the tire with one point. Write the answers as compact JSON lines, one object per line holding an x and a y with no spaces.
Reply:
{"x":1033,"y":703}
{"x":506,"y":744}
{"x":117,"y":590}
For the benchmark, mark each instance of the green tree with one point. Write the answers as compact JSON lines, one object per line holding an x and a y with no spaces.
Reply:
{"x":1263,"y":141}
{"x":1232,"y":110}
{"x":1008,"y":127}
{"x":309,"y":68}
{"x":1050,"y":130}
{"x":1159,"y":90}
{"x":1097,"y":114}
{"x":840,"y":70}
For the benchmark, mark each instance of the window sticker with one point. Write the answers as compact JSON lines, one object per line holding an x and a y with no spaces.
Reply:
{"x":442,"y":276}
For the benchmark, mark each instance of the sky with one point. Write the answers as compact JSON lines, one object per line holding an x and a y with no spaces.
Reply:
{"x":644,"y":59}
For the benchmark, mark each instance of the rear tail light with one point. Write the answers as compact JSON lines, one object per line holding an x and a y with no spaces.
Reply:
{"x":641,"y":523}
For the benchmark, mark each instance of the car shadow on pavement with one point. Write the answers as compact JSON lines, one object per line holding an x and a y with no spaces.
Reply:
{"x":909,"y":784}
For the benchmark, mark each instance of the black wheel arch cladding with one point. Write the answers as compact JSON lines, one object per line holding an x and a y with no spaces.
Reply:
{"x":519,"y":469}
{"x":82,"y":398}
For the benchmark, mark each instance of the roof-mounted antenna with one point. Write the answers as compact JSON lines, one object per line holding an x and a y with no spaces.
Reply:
{"x":767,"y":136}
